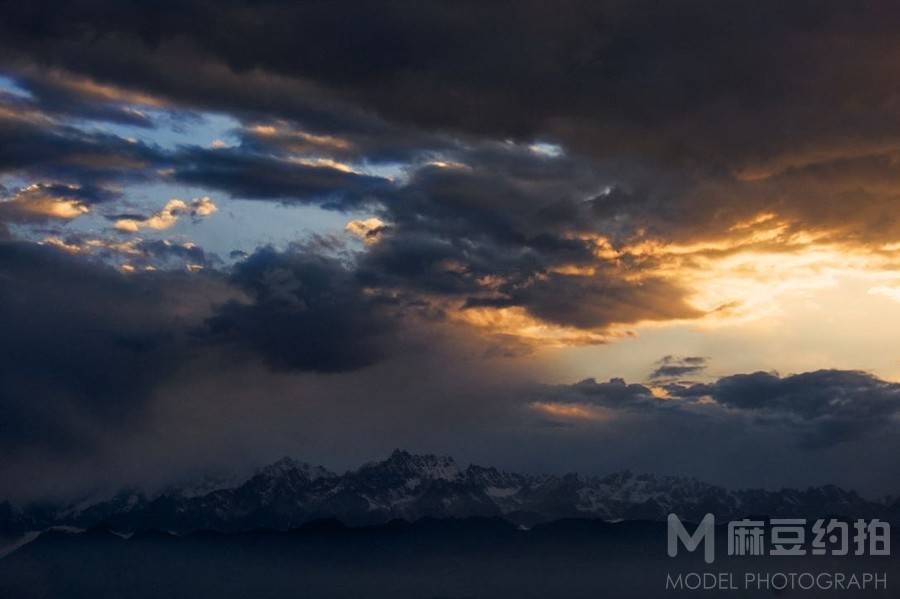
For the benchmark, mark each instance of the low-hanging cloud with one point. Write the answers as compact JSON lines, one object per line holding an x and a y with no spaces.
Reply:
{"x":823,"y":408}
{"x":674,"y":367}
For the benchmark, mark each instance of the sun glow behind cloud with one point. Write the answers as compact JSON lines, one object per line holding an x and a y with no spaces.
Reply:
{"x":752,"y":278}
{"x":790,"y":303}
{"x":572,"y":412}
{"x":769,"y":295}
{"x":750,"y":275}
{"x":517,"y":324}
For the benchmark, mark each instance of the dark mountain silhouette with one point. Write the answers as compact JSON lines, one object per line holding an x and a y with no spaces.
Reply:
{"x":288,"y":493}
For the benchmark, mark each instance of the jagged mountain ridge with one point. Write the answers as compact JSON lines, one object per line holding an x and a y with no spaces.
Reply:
{"x":289,"y":493}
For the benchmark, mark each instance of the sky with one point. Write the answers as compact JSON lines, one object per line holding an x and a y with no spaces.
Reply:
{"x":588,"y":237}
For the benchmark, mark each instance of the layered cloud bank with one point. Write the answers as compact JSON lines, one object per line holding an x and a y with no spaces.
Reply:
{"x":357,"y":221}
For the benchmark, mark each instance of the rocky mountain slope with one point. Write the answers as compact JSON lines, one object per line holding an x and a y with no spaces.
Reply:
{"x":288,"y":493}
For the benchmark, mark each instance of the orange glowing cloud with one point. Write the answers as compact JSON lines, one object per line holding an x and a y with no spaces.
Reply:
{"x":572,"y":411}
{"x":515,"y":322}
{"x":168,"y":216}
{"x":99,"y":91}
{"x":37,"y":202}
{"x":368,"y":230}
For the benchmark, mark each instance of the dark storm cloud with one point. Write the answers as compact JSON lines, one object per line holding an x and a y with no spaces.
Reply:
{"x":508,"y":213}
{"x":83,"y":346}
{"x":244,"y":174}
{"x":34,"y":145}
{"x":674,"y":122}
{"x":514,"y":69}
{"x":371,"y":140}
{"x":50,"y":93}
{"x":615,"y":393}
{"x":523,"y":222}
{"x":45,"y":149}
{"x":673,"y":367}
{"x":825,"y":406}
{"x":88,"y":194}
{"x":88,"y":351}
{"x":814,"y":410}
{"x":505,"y":192}
{"x":694,"y":106}
{"x":163,"y":254}
{"x":654,"y":142}
{"x":307,"y":312}
{"x":136,"y":254}
{"x":457,"y":266}
{"x":589,"y":302}
{"x":593,"y":301}
{"x":700,"y":116}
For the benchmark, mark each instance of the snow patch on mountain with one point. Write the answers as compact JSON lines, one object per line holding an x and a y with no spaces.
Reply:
{"x":289,"y":493}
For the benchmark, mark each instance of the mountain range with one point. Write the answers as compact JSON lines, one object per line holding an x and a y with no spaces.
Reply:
{"x":288,"y":494}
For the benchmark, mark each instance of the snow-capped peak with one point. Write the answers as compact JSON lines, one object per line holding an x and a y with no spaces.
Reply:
{"x":425,"y":466}
{"x":209,"y":483}
{"x":288,"y":465}
{"x":288,"y":492}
